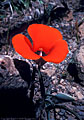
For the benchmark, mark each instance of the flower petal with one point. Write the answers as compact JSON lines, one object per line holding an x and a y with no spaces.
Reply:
{"x":23,"y":46}
{"x":43,"y":36}
{"x":58,"y":52}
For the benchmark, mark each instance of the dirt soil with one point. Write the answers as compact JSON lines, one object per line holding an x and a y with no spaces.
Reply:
{"x":58,"y":78}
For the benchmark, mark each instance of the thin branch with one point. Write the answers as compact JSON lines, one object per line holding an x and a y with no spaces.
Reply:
{"x":81,"y":22}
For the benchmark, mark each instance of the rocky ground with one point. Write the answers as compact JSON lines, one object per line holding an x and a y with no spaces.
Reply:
{"x":66,"y":77}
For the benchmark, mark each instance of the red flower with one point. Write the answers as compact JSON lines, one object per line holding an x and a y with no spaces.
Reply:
{"x":46,"y":39}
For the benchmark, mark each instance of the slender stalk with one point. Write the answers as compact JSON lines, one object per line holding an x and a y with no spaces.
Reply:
{"x":48,"y":115}
{"x":41,"y":84}
{"x":32,"y":82}
{"x":81,"y":22}
{"x":11,"y":8}
{"x":54,"y":113}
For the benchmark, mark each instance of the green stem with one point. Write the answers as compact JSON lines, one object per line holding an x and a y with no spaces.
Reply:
{"x":54,"y":113}
{"x":41,"y":84}
{"x":32,"y":82}
{"x":48,"y":115}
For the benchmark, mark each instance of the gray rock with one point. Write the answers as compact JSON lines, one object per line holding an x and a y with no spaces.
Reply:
{"x":7,"y":65}
{"x":75,"y":4}
{"x":80,"y":108}
{"x":10,"y":77}
{"x":81,"y":113}
{"x":79,"y":59}
{"x":37,"y":13}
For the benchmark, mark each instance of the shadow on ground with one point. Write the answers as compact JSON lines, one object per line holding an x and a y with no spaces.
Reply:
{"x":24,"y":70}
{"x":15,"y":103}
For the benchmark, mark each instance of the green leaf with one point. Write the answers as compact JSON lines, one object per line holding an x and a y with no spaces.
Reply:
{"x":26,"y":3}
{"x":22,"y":1}
{"x":48,"y":101}
{"x":1,"y":10}
{"x":2,"y":16}
{"x":17,"y":9}
{"x":41,"y":2}
{"x":64,"y":97}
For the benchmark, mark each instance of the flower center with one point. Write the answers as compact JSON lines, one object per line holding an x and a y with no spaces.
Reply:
{"x":40,"y":52}
{"x":40,"y":49}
